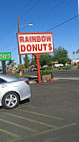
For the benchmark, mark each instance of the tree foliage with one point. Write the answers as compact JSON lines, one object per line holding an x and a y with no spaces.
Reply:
{"x":33,"y":61}
{"x":45,"y":59}
{"x":26,"y":61}
{"x":73,"y":52}
{"x":77,"y":51}
{"x":11,"y":63}
{"x":20,"y":67}
{"x":60,"y":55}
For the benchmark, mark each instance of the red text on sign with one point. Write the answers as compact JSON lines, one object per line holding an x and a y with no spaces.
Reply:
{"x":34,"y":39}
{"x":36,"y":47}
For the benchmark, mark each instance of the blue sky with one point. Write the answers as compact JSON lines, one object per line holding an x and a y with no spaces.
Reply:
{"x":44,"y":15}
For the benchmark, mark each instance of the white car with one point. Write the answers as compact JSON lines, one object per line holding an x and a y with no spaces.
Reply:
{"x":13,"y":90}
{"x":58,"y":65}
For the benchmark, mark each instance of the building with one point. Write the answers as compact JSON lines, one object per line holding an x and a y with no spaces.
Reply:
{"x":75,"y":62}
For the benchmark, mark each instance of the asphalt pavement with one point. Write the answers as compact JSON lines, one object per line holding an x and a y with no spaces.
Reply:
{"x":57,"y":74}
{"x":51,"y":115}
{"x":66,"y":73}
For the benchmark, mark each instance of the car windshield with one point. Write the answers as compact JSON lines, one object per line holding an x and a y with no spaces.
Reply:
{"x":8,"y":78}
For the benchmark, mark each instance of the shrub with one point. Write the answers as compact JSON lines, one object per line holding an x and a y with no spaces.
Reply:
{"x":49,"y":68}
{"x":46,"y":72}
{"x":59,"y":68}
{"x":46,"y":68}
{"x":78,"y":66}
{"x":19,"y":76}
{"x":67,"y":68}
{"x":16,"y":75}
{"x":64,"y":68}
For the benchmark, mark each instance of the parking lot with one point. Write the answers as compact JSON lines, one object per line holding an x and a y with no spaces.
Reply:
{"x":51,"y":115}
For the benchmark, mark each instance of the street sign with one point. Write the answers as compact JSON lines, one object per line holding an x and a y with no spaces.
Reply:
{"x":33,"y":43}
{"x":5,"y":56}
{"x":37,"y":44}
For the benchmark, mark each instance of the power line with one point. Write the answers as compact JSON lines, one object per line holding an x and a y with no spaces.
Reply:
{"x":14,"y":25}
{"x":54,"y":7}
{"x":27,"y":11}
{"x":70,"y":19}
{"x":26,"y":5}
{"x":13,"y":49}
{"x":49,"y":11}
{"x":21,"y":16}
{"x":9,"y":31}
{"x":30,"y":9}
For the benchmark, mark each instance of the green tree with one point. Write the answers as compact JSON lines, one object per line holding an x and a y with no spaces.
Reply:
{"x":78,"y":50}
{"x":45,"y":59}
{"x":11,"y":63}
{"x":20,"y":67}
{"x":26,"y":61}
{"x":33,"y":61}
{"x":73,"y":54}
{"x":60,"y":55}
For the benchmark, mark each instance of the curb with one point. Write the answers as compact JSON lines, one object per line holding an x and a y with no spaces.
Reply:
{"x":70,"y":78}
{"x":32,"y":82}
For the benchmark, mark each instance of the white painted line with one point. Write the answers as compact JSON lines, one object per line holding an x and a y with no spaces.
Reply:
{"x":69,"y":78}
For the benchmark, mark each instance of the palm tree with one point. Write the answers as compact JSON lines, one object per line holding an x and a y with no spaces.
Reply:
{"x":13,"y":63}
{"x":73,"y":54}
{"x":77,"y":51}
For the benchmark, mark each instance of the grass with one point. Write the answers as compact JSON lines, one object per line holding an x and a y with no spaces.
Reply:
{"x":19,"y":76}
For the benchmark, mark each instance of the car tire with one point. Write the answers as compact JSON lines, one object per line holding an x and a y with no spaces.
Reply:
{"x":10,"y":100}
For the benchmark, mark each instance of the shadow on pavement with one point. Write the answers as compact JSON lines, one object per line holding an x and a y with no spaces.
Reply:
{"x":25,"y":101}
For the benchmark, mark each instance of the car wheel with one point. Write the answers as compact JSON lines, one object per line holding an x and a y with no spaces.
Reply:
{"x":10,"y":100}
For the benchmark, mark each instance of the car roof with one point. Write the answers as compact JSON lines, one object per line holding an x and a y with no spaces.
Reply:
{"x":8,"y":78}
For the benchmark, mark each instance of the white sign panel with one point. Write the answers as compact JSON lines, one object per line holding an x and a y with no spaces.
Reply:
{"x":32,"y":43}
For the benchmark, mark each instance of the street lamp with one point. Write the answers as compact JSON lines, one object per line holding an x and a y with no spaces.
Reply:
{"x":26,"y":25}
{"x":19,"y":32}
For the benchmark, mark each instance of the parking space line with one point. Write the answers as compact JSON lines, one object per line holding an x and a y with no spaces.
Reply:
{"x":9,"y":133}
{"x":41,"y":114}
{"x":45,"y":132}
{"x":18,"y":125}
{"x":55,"y":129}
{"x":31,"y":120}
{"x":52,"y":130}
{"x":28,"y":106}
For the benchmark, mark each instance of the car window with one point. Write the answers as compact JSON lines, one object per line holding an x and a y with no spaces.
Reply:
{"x":2,"y":80}
{"x":8,"y":78}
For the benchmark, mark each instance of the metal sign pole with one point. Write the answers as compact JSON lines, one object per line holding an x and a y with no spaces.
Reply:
{"x":37,"y":44}
{"x":20,"y":61}
{"x":38,"y":67}
{"x":4,"y":67}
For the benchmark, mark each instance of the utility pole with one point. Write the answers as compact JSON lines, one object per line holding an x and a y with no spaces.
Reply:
{"x":4,"y":67}
{"x":19,"y":32}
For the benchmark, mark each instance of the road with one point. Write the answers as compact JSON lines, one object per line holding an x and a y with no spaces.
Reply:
{"x":66,"y":73}
{"x":51,"y":115}
{"x":59,"y":74}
